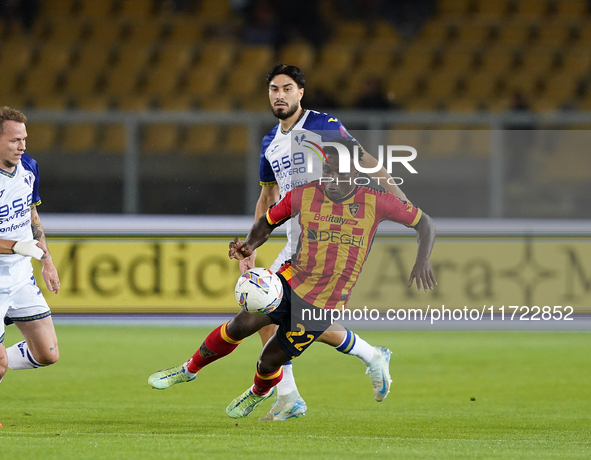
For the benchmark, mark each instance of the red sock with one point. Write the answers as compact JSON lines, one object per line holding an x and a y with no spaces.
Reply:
{"x":216,"y":345}
{"x":264,"y":382}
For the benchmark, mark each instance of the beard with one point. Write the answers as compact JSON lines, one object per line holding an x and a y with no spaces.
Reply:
{"x":282,"y":113}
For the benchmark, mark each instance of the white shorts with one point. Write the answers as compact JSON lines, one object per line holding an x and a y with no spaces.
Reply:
{"x":23,"y":303}
{"x":283,"y":256}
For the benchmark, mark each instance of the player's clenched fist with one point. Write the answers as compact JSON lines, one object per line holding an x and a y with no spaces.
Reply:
{"x":239,"y":250}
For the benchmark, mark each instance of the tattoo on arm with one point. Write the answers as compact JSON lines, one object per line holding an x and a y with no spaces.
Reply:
{"x":36,"y":227}
{"x":38,"y":233}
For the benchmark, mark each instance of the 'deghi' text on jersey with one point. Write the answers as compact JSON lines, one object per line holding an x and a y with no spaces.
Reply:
{"x":284,"y":155}
{"x":18,"y":192}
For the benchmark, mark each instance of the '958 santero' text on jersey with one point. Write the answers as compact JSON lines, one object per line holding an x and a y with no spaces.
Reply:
{"x":18,"y":192}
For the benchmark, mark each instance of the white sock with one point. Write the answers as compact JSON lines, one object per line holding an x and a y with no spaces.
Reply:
{"x":287,"y":384}
{"x":19,"y":357}
{"x":363,"y":350}
{"x":187,"y":372}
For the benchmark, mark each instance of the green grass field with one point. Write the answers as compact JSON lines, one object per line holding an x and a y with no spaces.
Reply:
{"x":455,"y":395}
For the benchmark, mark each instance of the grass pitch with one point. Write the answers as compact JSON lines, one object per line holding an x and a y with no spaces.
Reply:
{"x":455,"y":395}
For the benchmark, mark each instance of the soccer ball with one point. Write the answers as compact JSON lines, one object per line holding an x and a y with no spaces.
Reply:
{"x":259,"y":291}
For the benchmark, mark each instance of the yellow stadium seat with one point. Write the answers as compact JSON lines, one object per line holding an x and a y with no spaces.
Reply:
{"x":181,"y":101}
{"x":105,"y":32}
{"x":201,"y":81}
{"x":236,"y":140}
{"x":121,"y":81}
{"x":583,"y":33}
{"x":40,"y":82}
{"x":79,"y":137}
{"x":453,"y":7}
{"x":375,"y":59}
{"x":353,"y":32}
{"x":383,"y":32}
{"x":516,"y":32}
{"x":92,"y":102}
{"x":136,"y":9}
{"x":422,"y":104}
{"x":160,"y":138}
{"x":462,"y":104}
{"x":95,"y":9}
{"x":201,"y":139}
{"x":82,"y":81}
{"x":458,"y":57}
{"x":491,"y":9}
{"x":182,"y":30}
{"x":576,"y":61}
{"x":41,"y":136}
{"x":50,"y":101}
{"x":532,"y":9}
{"x":133,"y":57}
{"x":12,"y":98}
{"x":434,"y":32}
{"x":160,"y":82}
{"x":443,"y":84}
{"x":571,"y":9}
{"x":473,"y":32}
{"x":93,"y":56}
{"x":54,"y":57}
{"x":144,"y":32}
{"x":112,"y":139}
{"x":14,"y":58}
{"x":257,"y":103}
{"x":217,"y":54}
{"x":254,"y":58}
{"x":174,"y":57}
{"x":481,"y":84}
{"x":299,"y":54}
{"x":355,"y":85}
{"x":545,"y":104}
{"x":337,"y":57}
{"x":498,"y":59}
{"x":217,"y":103}
{"x":215,"y":11}
{"x":241,"y":84}
{"x":418,"y":58}
{"x":522,"y":81}
{"x":134,"y":103}
{"x":561,"y":86}
{"x":401,"y":85}
{"x":56,"y":8}
{"x":552,"y":33}
{"x":68,"y":30}
{"x":538,"y":61}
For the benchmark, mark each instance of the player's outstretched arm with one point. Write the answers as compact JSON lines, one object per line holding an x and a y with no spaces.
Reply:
{"x":258,"y":235}
{"x":422,"y":272}
{"x":49,"y":272}
{"x":268,"y":196}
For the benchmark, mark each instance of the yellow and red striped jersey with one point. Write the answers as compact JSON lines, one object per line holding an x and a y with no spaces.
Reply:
{"x":336,"y":237}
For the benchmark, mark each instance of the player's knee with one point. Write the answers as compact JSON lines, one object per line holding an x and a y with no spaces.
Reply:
{"x":3,"y":366}
{"x":244,"y":325}
{"x":48,"y":357}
